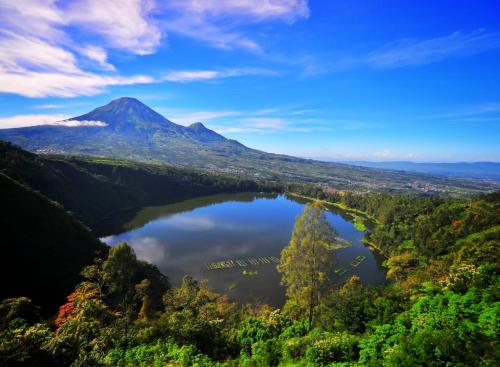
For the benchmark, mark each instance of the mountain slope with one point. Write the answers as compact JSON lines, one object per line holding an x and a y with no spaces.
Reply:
{"x":135,"y":132}
{"x":43,"y":247}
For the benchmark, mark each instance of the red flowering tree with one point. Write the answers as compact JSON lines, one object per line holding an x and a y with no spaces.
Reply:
{"x":67,"y":310}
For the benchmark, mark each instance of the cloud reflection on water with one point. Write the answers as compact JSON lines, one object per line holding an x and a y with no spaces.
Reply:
{"x":183,"y":241}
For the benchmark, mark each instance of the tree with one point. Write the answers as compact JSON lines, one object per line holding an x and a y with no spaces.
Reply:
{"x":307,"y":260}
{"x":143,"y":290}
{"x":118,"y":272}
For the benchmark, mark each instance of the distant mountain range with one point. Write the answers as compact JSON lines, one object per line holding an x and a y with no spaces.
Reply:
{"x":128,"y":129}
{"x":481,"y":170}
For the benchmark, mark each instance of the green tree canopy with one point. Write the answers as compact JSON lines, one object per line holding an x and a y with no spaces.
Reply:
{"x":307,"y":260}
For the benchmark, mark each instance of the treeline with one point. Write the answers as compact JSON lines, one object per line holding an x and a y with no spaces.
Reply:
{"x":96,"y":188}
{"x":425,"y":230}
{"x":441,"y":307}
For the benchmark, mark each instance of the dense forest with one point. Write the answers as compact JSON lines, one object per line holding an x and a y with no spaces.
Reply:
{"x":91,"y":306}
{"x":440,"y":306}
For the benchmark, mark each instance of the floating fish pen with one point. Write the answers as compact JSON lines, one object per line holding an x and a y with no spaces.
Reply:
{"x":250,"y":272}
{"x":254,"y":261}
{"x":241,"y":263}
{"x":229,"y":264}
{"x":358,"y":260}
{"x":340,"y":271}
{"x":340,"y":243}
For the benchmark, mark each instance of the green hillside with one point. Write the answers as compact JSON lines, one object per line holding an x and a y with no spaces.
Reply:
{"x":43,"y":247}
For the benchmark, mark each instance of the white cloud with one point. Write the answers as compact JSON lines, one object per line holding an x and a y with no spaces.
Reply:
{"x":403,"y":53}
{"x":38,"y":59}
{"x":183,"y":76}
{"x":44,"y":119}
{"x":30,"y":120}
{"x":478,"y":112}
{"x":76,"y":123}
{"x":386,"y":153}
{"x":43,"y":84}
{"x":122,"y":24}
{"x":19,"y":53}
{"x":189,"y":76}
{"x":260,"y":125}
{"x":36,"y":18}
{"x":214,"y":21}
{"x":265,"y":123}
{"x":187,"y":118}
{"x":42,"y":53}
{"x":49,"y":106}
{"x":304,"y":112}
{"x":408,"y":52}
{"x":266,"y":9}
{"x":98,"y":55}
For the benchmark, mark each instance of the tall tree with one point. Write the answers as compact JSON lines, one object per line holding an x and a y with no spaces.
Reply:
{"x":119,"y":270}
{"x":307,"y":260}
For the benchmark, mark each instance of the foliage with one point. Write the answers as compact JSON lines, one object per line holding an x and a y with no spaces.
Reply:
{"x":439,"y":330}
{"x":306,"y":262}
{"x":340,"y":347}
{"x":440,"y":307}
{"x":21,"y":344}
{"x":156,"y":355}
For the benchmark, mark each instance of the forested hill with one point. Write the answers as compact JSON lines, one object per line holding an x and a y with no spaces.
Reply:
{"x":441,"y":307}
{"x":96,"y":188}
{"x":43,"y":247}
{"x":128,"y":129}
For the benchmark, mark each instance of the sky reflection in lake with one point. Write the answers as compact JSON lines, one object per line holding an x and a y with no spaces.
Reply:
{"x":182,"y":237}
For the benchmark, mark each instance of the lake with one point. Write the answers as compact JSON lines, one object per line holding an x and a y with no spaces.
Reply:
{"x":193,"y":236}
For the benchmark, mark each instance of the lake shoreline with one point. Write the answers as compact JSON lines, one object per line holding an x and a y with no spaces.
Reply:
{"x":184,"y":237}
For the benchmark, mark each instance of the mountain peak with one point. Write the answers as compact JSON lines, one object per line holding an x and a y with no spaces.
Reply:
{"x":128,"y":113}
{"x":197,"y":126}
{"x":202,"y":133}
{"x":127,"y":101}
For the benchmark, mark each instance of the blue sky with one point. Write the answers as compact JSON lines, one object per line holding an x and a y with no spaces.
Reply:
{"x":339,"y":80}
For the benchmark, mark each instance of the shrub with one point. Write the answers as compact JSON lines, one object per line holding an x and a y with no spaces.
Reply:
{"x":267,"y":353}
{"x":341,"y":347}
{"x":158,"y":355}
{"x":253,"y":330}
{"x":295,"y":348}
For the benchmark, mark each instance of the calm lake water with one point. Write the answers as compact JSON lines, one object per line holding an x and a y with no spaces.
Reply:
{"x":182,"y":238}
